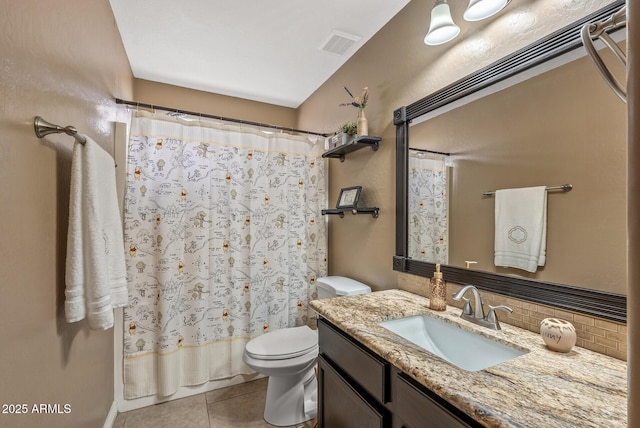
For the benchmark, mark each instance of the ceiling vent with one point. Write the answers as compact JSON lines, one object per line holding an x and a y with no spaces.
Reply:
{"x":339,"y":43}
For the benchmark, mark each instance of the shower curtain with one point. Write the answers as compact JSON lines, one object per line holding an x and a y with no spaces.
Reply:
{"x":224,"y":239}
{"x":428,"y":211}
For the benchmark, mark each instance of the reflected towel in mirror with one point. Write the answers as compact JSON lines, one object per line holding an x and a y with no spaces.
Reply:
{"x":521,"y":228}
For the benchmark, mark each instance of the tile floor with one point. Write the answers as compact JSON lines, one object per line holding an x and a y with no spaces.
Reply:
{"x":238,"y":406}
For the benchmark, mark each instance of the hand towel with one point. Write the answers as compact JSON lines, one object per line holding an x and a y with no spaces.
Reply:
{"x":95,"y":265}
{"x":521,"y":228}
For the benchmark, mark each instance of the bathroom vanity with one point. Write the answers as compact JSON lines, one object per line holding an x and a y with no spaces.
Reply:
{"x":371,"y":377}
{"x":357,"y":388}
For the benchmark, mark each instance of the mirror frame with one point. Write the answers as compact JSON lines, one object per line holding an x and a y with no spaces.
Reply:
{"x":597,"y":303}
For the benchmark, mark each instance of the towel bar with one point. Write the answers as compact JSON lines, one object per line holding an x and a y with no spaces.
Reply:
{"x":563,"y":187}
{"x":598,"y":30}
{"x":44,"y":128}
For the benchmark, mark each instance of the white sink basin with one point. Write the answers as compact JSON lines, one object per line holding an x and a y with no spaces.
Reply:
{"x":461,"y":348}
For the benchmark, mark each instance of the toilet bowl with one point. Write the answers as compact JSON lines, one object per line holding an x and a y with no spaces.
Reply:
{"x":288,"y":356}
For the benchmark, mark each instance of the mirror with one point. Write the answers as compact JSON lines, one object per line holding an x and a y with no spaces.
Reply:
{"x":559,"y":126}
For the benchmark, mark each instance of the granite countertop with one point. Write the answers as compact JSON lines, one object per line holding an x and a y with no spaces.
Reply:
{"x":541,"y":388}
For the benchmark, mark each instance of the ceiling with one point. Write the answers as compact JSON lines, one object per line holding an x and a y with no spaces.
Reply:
{"x":267,"y":51}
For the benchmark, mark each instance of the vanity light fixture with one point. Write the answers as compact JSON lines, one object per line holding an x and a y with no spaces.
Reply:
{"x":481,"y":9}
{"x":442,"y":28}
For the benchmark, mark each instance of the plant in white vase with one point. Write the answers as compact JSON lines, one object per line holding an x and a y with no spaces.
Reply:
{"x":360,"y":102}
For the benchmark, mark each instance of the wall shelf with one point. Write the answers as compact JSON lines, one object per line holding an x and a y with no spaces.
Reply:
{"x":374,"y":211}
{"x":353,"y":145}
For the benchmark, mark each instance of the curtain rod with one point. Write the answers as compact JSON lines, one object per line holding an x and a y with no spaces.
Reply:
{"x":209,"y":116}
{"x":430,"y":151}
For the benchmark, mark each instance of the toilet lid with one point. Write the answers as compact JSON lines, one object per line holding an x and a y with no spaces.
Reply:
{"x":281,"y":344}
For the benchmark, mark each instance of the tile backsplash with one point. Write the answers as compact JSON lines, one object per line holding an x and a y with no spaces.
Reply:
{"x":597,"y":334}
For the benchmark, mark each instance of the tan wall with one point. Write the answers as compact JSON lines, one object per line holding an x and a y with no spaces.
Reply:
{"x":63,"y":60}
{"x":633,"y":217}
{"x":547,"y":130}
{"x":399,"y":69}
{"x":171,"y":96}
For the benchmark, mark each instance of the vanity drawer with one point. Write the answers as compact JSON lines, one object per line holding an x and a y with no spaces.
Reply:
{"x":418,"y":408}
{"x":364,"y":367}
{"x":341,"y":405}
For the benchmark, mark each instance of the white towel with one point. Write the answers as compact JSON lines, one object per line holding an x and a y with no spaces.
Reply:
{"x":95,"y":266}
{"x":521,"y":228}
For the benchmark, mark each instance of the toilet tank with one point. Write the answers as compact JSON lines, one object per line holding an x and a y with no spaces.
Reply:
{"x":333,"y":286}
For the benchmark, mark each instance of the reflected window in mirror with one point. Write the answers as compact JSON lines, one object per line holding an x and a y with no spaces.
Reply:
{"x":428,"y":206}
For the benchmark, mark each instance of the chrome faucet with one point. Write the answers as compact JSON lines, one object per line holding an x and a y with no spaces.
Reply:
{"x":476,"y":315}
{"x":478,"y":311}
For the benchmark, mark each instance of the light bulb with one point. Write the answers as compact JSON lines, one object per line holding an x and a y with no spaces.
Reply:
{"x":481,"y":9}
{"x":442,"y":28}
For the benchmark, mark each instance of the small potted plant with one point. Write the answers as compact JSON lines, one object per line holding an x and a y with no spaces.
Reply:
{"x":348,"y":129}
{"x":360,"y":102}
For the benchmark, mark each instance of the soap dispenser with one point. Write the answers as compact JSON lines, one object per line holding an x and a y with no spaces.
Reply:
{"x":438,"y":291}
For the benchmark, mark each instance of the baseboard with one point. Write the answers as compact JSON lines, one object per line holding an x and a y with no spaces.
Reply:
{"x":111,"y":416}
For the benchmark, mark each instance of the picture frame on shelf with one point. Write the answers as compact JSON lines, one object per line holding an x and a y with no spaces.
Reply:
{"x":349,"y":197}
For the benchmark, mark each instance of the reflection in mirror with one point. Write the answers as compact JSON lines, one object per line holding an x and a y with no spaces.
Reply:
{"x":561,"y":126}
{"x":565,"y":127}
{"x":428,"y":229}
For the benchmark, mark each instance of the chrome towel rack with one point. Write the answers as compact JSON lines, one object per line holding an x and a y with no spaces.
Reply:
{"x":44,"y":128}
{"x":598,"y":30}
{"x":563,"y":187}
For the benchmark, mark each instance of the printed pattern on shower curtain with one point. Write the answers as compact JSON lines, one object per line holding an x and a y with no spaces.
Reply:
{"x":224,"y":238}
{"x":427,"y":207}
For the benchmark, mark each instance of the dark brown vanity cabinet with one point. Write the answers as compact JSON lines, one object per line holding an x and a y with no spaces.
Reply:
{"x":359,"y":389}
{"x":352,"y":382}
{"x":342,"y":404}
{"x":417,"y":407}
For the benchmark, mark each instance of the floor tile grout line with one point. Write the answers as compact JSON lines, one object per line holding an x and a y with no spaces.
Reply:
{"x":206,"y":407}
{"x":233,"y":396}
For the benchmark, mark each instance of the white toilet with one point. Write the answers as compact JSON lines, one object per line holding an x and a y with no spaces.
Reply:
{"x":288,"y":356}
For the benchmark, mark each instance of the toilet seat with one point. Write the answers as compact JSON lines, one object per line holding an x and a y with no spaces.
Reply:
{"x":283,"y":344}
